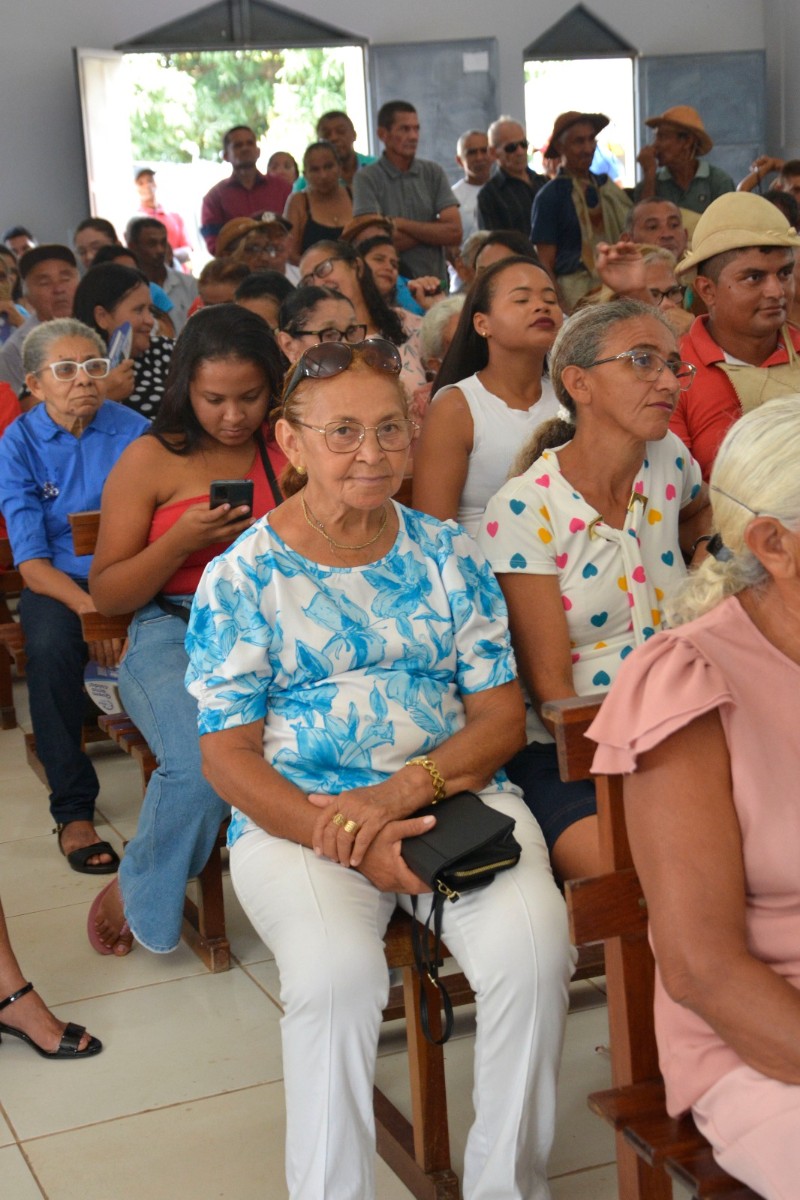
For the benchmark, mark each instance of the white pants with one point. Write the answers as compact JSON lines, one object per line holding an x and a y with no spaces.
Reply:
{"x":325,"y":926}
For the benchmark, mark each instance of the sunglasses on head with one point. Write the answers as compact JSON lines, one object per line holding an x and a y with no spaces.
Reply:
{"x":510,"y":147}
{"x":332,"y":358}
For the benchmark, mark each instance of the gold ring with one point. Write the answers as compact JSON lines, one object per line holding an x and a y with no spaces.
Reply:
{"x":339,"y":819}
{"x":351,"y":827}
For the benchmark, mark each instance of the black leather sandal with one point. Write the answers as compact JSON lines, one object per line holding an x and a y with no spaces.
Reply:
{"x":70,"y":1041}
{"x":79,"y":859}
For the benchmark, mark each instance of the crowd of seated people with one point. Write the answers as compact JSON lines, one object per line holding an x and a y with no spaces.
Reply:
{"x":321,"y":662}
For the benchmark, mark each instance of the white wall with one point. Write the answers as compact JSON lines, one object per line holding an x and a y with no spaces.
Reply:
{"x":42,"y":180}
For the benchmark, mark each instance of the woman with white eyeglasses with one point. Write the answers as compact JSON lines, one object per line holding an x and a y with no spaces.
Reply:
{"x":54,"y":460}
{"x":589,"y":536}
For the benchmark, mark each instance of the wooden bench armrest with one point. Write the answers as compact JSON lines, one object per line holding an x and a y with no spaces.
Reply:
{"x":570,"y":719}
{"x":84,"y":526}
{"x":97,"y":628}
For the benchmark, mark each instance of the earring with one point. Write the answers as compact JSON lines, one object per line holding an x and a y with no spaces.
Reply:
{"x":300,"y":470}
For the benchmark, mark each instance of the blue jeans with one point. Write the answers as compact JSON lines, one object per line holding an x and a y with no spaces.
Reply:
{"x":56,"y":656}
{"x":181,"y":813}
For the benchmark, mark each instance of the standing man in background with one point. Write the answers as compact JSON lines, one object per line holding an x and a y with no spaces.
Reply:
{"x":415,"y":193}
{"x":245,"y":192}
{"x":505,"y":201}
{"x":337,"y":128}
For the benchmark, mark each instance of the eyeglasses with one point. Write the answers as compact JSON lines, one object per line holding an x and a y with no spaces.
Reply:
{"x":510,"y":147}
{"x":331,"y":358}
{"x":321,"y":271}
{"x":675,"y":294}
{"x":353,"y":334}
{"x":271,"y":249}
{"x":343,"y":437}
{"x":647,"y":366}
{"x":65,"y":370}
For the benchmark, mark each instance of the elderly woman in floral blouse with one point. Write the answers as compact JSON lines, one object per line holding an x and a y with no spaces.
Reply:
{"x":351,"y":662}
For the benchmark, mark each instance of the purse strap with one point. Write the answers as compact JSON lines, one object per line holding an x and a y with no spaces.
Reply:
{"x":268,"y":468}
{"x":427,"y":961}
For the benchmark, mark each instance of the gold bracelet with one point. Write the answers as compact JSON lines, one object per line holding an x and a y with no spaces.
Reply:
{"x":439,"y":786}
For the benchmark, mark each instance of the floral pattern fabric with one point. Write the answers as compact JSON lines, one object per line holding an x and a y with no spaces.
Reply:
{"x":354,"y":670}
{"x":612,"y":581}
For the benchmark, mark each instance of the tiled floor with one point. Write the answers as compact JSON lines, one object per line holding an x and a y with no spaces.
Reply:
{"x":186,"y":1101}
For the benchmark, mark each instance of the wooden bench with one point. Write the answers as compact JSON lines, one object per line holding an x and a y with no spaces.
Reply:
{"x":12,"y":639}
{"x":652,"y":1147}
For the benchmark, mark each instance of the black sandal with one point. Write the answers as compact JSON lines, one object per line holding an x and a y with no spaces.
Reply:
{"x":70,"y":1039}
{"x":79,"y":859}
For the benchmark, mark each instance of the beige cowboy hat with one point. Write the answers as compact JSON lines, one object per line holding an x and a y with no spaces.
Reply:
{"x":736,"y":221}
{"x":565,"y":120}
{"x":683,"y":116}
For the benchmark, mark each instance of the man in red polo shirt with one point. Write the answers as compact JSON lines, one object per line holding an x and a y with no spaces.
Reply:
{"x":743,"y":251}
{"x":245,"y":192}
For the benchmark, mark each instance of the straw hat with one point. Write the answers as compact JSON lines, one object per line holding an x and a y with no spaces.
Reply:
{"x":353,"y":230}
{"x":737,"y":221}
{"x":233,"y":230}
{"x":684,"y":117}
{"x":565,"y":120}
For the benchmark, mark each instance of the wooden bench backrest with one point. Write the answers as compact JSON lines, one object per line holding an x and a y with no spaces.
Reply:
{"x":95,"y":626}
{"x":612,"y":905}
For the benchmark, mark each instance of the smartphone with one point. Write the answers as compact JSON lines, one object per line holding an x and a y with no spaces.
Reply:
{"x":119,"y":344}
{"x":231,"y":491}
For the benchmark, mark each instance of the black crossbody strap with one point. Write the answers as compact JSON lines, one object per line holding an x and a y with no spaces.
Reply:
{"x":268,"y":469}
{"x":427,"y":962}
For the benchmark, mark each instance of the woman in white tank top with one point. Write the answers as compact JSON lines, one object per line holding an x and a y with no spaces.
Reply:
{"x":491,"y":395}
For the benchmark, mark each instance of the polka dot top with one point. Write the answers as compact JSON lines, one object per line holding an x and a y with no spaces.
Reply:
{"x":612,"y":581}
{"x":150,"y":370}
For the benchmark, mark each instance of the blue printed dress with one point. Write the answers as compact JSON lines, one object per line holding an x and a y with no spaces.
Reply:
{"x":612,"y":581}
{"x":354,"y":669}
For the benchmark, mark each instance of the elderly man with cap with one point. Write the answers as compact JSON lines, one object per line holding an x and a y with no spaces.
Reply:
{"x":576,"y":210}
{"x":745,"y":352}
{"x":50,"y":276}
{"x":671,"y":164}
{"x":261,"y":242}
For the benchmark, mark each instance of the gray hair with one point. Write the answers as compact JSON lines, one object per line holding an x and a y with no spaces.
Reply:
{"x":579,"y":343}
{"x":495,"y":125}
{"x":469,"y":251}
{"x":468,"y":133}
{"x":36,"y":346}
{"x":755,"y":474}
{"x":431,"y":331}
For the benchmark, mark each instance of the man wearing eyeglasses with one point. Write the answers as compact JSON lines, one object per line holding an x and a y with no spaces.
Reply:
{"x":50,"y":277}
{"x":743,"y":253}
{"x":504,"y":202}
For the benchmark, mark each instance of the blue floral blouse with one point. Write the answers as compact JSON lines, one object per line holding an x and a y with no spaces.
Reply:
{"x":354,"y":669}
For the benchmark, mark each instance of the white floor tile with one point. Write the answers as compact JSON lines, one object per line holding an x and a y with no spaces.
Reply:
{"x":17,"y":1181}
{"x":6,"y":1136}
{"x":164,"y":1044}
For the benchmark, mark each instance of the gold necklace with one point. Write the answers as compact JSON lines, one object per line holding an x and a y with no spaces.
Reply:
{"x":315,"y":524}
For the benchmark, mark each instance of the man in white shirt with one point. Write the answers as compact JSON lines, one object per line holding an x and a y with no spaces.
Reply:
{"x":474,"y":158}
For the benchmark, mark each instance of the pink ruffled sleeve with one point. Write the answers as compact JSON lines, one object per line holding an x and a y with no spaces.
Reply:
{"x":661,"y":687}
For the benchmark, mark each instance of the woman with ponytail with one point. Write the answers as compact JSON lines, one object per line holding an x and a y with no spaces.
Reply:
{"x":589,"y":537}
{"x":491,"y":392}
{"x":703,"y":723}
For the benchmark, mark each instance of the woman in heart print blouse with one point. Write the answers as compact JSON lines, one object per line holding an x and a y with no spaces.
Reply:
{"x":588,"y":538}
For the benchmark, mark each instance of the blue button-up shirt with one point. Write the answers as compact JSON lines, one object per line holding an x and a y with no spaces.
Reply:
{"x":47,"y":473}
